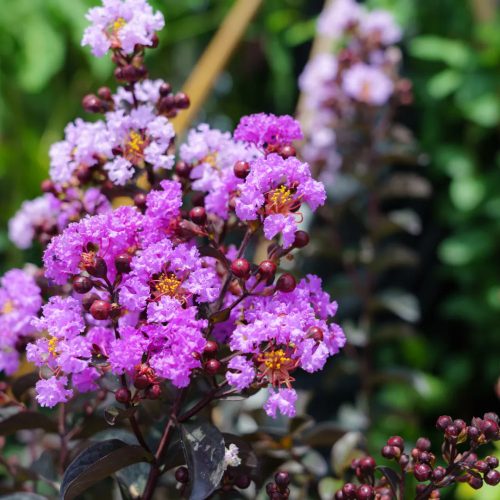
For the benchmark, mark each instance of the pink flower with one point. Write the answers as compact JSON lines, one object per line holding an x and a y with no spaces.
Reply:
{"x":367,"y":84}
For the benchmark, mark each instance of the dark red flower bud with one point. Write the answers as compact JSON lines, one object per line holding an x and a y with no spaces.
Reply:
{"x":153,"y":392}
{"x":267,"y":269}
{"x":287,"y":151}
{"x":492,"y":461}
{"x":481,"y":466}
{"x":389,"y":452}
{"x":367,"y":464}
{"x":492,"y":477}
{"x":100,"y":309}
{"x":96,"y":267}
{"x":422,"y":472}
{"x":282,"y":479}
{"x":339,"y":495}
{"x":301,"y":239}
{"x":154,"y":41}
{"x":122,"y":262}
{"x":211,"y":347}
{"x":165,"y":89}
{"x":92,"y":104}
{"x":182,"y":100}
{"x":492,"y":416}
{"x":423,"y":444}
{"x":316,"y":333}
{"x":213,"y":366}
{"x":490,"y":429}
{"x":141,"y":381}
{"x":123,"y":395}
{"x":182,"y":475}
{"x":241,"y":169}
{"x":404,"y":460}
{"x":349,"y":490}
{"x":475,"y":482}
{"x":365,"y":492}
{"x":166,"y":103}
{"x":240,"y":268}
{"x":198,"y":215}
{"x":286,"y":283}
{"x":48,"y":186}
{"x":82,"y":284}
{"x":88,"y":300}
{"x":452,"y":432}
{"x":105,"y":93}
{"x":460,"y":424}
{"x":438,"y":473}
{"x":182,"y":169}
{"x":443,"y":422}
{"x":396,"y":441}
{"x":140,"y":200}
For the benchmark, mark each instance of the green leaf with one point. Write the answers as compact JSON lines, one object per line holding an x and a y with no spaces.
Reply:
{"x":204,"y":450}
{"x":483,"y":110}
{"x":434,"y":48}
{"x":98,"y":462}
{"x":467,"y":192}
{"x":403,"y":304}
{"x":444,"y":83}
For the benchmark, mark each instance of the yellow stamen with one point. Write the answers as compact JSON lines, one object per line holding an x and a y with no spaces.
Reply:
{"x":118,"y":24}
{"x":211,"y":159}
{"x":281,"y":196}
{"x":135,"y":142}
{"x":8,"y":307}
{"x":168,"y":284}
{"x":53,"y":346}
{"x":275,"y":359}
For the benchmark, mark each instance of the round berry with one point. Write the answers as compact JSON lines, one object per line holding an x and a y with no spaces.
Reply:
{"x":240,"y":268}
{"x":301,"y":239}
{"x":123,"y":395}
{"x":443,"y":422}
{"x":282,"y":479}
{"x":367,"y":465}
{"x":349,"y":490}
{"x":182,"y":475}
{"x":182,"y":169}
{"x":182,"y":100}
{"x":286,"y":283}
{"x":210,"y":347}
{"x":100,"y":309}
{"x":241,"y":169}
{"x":122,"y":262}
{"x":243,"y":482}
{"x":82,"y":284}
{"x":492,"y":477}
{"x":213,"y":366}
{"x":365,"y":492}
{"x":422,"y":472}
{"x":198,"y":215}
{"x":267,"y":269}
{"x":396,"y":441}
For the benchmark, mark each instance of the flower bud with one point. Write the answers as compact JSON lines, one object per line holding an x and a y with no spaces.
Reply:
{"x":97,"y":267}
{"x":198,"y":215}
{"x":153,"y":392}
{"x":301,"y":239}
{"x":492,"y":461}
{"x":243,"y":481}
{"x":165,"y":89}
{"x":210,"y":347}
{"x":141,"y":381}
{"x":92,"y":104}
{"x":240,"y":268}
{"x":287,"y":151}
{"x":82,"y":284}
{"x":122,"y":262}
{"x":475,"y":482}
{"x":213,"y":366}
{"x":317,"y":334}
{"x":423,"y":444}
{"x":241,"y":169}
{"x":100,"y":309}
{"x":365,"y":492}
{"x":105,"y":93}
{"x":389,"y":452}
{"x":367,"y":465}
{"x":182,"y":169}
{"x":492,"y":478}
{"x":349,"y":490}
{"x":182,"y":475}
{"x":396,"y":441}
{"x":140,"y":200}
{"x":422,"y":472}
{"x":443,"y":422}
{"x":282,"y":479}
{"x":438,"y":473}
{"x":182,"y":100}
{"x":286,"y":283}
{"x":267,"y":269}
{"x":123,"y":395}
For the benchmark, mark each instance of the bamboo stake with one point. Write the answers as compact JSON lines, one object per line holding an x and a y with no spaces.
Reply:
{"x":484,"y":10}
{"x":215,"y":58}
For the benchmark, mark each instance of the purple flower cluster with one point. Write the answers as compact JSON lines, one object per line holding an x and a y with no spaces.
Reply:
{"x":362,"y":71}
{"x":151,"y":292}
{"x":20,"y":302}
{"x":121,"y":25}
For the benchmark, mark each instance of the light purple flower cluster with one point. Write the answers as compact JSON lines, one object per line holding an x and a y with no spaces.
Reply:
{"x":361,"y":71}
{"x":151,"y":293}
{"x":280,"y":334}
{"x":20,"y":302}
{"x":273,"y":193}
{"x":121,"y":24}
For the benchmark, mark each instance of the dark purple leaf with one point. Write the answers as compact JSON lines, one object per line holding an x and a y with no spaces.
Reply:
{"x":26,"y":420}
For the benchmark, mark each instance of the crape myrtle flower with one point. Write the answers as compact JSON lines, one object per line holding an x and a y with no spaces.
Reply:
{"x":339,"y":17}
{"x":380,"y":27}
{"x":212,"y":155}
{"x":140,"y":137}
{"x":268,"y":131}
{"x":367,"y":84}
{"x":84,"y":145}
{"x":20,"y":302}
{"x":121,"y":24}
{"x":281,"y":333}
{"x":273,"y":193}
{"x":146,"y":92}
{"x":83,"y":243}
